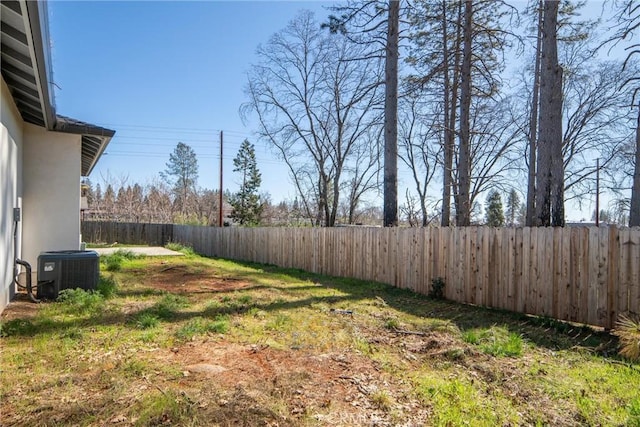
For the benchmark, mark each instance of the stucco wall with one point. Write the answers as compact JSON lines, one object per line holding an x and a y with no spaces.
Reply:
{"x":51,"y":192}
{"x":10,"y":188}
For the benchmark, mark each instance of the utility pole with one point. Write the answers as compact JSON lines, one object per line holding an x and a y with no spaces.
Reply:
{"x":598,"y":192}
{"x":220,"y":202}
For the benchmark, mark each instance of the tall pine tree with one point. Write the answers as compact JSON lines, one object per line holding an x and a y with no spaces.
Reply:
{"x":246,"y":203}
{"x":182,"y":174}
{"x":494,"y":210}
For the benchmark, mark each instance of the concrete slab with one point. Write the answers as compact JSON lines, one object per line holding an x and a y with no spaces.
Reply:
{"x":139,"y":250}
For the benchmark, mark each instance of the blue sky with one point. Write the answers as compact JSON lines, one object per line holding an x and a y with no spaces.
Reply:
{"x":163,"y":72}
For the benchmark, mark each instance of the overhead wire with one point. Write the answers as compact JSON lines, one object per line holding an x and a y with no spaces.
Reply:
{"x":124,"y":144}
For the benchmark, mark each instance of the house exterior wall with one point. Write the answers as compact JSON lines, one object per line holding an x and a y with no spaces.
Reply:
{"x":11,"y":137}
{"x":51,"y":196}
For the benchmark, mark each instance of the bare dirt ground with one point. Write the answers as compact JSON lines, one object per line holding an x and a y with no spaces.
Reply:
{"x":177,"y":278}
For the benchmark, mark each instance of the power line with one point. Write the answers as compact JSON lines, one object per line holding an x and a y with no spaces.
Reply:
{"x":173,"y":129}
{"x":164,"y":155}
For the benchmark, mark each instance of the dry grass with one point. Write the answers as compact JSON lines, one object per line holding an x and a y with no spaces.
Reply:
{"x":628,"y":332}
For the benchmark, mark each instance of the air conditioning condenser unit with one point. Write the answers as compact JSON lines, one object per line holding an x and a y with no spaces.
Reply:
{"x":60,"y":270}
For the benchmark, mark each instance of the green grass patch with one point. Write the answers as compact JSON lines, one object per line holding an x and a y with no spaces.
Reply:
{"x":633,"y":409}
{"x":168,"y":306}
{"x":201,"y":326}
{"x":146,"y":320}
{"x":178,"y":247}
{"x":496,"y":341}
{"x":24,"y":327}
{"x":107,"y":286}
{"x":78,"y":301}
{"x":115,"y":261}
{"x":457,"y":401}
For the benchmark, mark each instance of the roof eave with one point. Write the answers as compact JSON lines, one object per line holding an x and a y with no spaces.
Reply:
{"x":36,"y":13}
{"x":94,"y":140}
{"x":103,"y":146}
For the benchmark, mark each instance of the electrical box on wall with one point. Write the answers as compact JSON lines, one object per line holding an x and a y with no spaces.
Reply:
{"x":16,"y":214}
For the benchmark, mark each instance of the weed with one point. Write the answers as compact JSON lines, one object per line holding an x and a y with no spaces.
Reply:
{"x":107,"y":286}
{"x":135,"y":368}
{"x":73,"y":333}
{"x":178,"y":247}
{"x":79,"y":301}
{"x":164,"y":408}
{"x":168,"y":306}
{"x":279,"y":323}
{"x":228,"y":305}
{"x":21,"y":327}
{"x":146,"y":320}
{"x":454,"y":354}
{"x":457,"y":402}
{"x":114,"y":261}
{"x":382,"y":400}
{"x":148,"y":336}
{"x":362,"y":345}
{"x":201,"y":326}
{"x":633,"y":408}
{"x":495,"y":341}
{"x":628,"y":331}
{"x":392,"y":323}
{"x":244,"y":299}
{"x":437,"y":288}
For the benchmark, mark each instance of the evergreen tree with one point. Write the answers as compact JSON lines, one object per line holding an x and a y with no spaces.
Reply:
{"x":182,"y":174}
{"x":494,"y":211}
{"x":513,"y":207}
{"x":246,"y":203}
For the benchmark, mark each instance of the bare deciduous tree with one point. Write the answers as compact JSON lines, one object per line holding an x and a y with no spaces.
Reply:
{"x":314,"y":106}
{"x":420,"y":150}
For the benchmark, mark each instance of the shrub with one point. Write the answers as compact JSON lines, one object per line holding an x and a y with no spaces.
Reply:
{"x":628,"y":331}
{"x":437,"y":288}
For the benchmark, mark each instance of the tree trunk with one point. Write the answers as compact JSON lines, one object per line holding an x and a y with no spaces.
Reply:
{"x":634,"y":213}
{"x":391,"y":118}
{"x":463,"y":208}
{"x":550,"y":170}
{"x":448,"y":132}
{"x":455,"y":87}
{"x":533,"y":127}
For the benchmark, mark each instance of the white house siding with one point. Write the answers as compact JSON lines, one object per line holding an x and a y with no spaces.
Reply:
{"x":11,"y":136}
{"x":51,"y":200}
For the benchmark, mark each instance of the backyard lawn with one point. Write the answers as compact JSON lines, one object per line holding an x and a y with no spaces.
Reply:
{"x":195,"y":341}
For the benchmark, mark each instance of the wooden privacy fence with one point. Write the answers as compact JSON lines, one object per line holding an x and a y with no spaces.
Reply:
{"x":127,"y":233}
{"x":586,"y":275}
